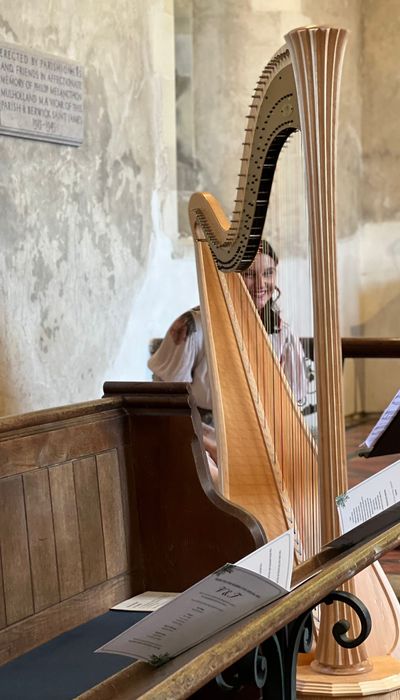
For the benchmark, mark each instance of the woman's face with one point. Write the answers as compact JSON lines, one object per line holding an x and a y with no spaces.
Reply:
{"x":260,"y":279}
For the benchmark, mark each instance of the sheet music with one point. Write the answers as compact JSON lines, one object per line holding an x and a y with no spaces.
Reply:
{"x":383,"y":422}
{"x":369,"y":498}
{"x":223,"y":597}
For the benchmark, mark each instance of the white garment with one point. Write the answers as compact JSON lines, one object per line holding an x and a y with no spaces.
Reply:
{"x":184,"y":359}
{"x":291,"y":356}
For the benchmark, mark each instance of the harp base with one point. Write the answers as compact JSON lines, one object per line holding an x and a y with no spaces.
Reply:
{"x":363,"y":667}
{"x":382,"y":683}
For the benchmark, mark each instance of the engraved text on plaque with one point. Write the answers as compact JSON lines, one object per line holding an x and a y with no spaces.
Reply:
{"x":41,"y":96}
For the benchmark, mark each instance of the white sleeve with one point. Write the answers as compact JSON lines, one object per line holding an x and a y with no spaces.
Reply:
{"x":293,"y":364}
{"x":175,"y":358}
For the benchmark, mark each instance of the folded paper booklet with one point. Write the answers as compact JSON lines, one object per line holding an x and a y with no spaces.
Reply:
{"x":369,"y":498}
{"x":145,"y":602}
{"x":219,"y":600}
{"x":385,"y":433}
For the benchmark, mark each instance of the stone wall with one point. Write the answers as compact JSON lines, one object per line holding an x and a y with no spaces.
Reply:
{"x":231,"y":43}
{"x":379,"y":277}
{"x":228,"y":43}
{"x":94,"y":263}
{"x":84,"y":229}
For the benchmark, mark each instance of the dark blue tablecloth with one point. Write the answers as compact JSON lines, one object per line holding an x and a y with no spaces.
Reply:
{"x":66,"y":666}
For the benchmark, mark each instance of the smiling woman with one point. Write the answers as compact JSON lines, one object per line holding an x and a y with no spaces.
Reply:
{"x":260,"y":280}
{"x":181,"y":357}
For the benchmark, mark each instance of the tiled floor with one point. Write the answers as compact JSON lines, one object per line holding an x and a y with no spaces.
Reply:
{"x":360,"y":468}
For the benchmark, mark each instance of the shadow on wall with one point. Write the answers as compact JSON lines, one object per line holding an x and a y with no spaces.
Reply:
{"x":377,"y":380}
{"x":8,"y":400}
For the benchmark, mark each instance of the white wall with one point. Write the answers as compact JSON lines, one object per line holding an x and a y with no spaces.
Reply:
{"x":92,"y":262}
{"x":80,"y":226}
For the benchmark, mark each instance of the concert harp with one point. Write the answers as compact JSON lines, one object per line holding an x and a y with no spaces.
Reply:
{"x":268,"y":460}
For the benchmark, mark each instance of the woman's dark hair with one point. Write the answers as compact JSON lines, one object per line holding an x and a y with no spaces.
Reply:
{"x":267,"y":249}
{"x":270,"y":314}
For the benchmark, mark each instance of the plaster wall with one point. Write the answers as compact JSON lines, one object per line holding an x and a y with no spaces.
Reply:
{"x":93,"y":260}
{"x":228,"y":44}
{"x":380,"y":241}
{"x":79,"y":226}
{"x":231,"y":44}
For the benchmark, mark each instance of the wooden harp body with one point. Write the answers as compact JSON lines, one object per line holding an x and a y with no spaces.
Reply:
{"x":268,"y":461}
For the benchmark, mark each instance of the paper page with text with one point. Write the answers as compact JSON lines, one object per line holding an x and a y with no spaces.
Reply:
{"x":384,"y":421}
{"x":372,"y":496}
{"x":145,"y":602}
{"x":219,"y":600}
{"x":274,"y":560}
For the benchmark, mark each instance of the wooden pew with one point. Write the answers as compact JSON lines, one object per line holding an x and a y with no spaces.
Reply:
{"x":103,"y":500}
{"x":191,"y":670}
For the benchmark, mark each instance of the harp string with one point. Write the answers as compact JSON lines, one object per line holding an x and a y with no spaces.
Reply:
{"x":290,"y":446}
{"x":233,"y":245}
{"x":291,"y":227}
{"x":292,"y":449}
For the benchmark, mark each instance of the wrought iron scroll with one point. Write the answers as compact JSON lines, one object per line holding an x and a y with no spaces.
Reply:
{"x":271,"y":667}
{"x":251,"y":670}
{"x":341,"y":627}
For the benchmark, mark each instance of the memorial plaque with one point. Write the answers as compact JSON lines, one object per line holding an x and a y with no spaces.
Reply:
{"x":41,"y":96}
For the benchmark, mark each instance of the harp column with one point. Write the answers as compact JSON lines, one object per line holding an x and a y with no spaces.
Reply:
{"x":317,"y":58}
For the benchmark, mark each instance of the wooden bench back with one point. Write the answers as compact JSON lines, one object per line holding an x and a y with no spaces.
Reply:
{"x":68,"y":536}
{"x":101,"y":501}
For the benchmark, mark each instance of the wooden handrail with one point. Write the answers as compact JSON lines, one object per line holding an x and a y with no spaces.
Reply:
{"x":360,"y":347}
{"x":191,"y":670}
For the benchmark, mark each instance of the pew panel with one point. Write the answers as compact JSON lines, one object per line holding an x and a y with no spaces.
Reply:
{"x":15,"y":564}
{"x":115,"y":546}
{"x":56,"y":441}
{"x":41,"y":539}
{"x":69,"y":540}
{"x":101,"y":501}
{"x":66,"y":529}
